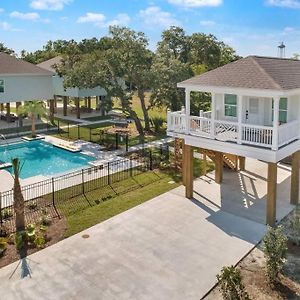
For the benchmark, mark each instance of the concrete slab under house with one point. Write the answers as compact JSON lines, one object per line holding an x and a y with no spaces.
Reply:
{"x":255,"y":113}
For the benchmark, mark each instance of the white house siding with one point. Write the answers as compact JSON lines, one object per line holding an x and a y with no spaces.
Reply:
{"x":26,"y":87}
{"x":293,"y":108}
{"x":59,"y":90}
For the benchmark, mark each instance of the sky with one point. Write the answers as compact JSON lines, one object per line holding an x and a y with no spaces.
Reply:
{"x":249,"y":26}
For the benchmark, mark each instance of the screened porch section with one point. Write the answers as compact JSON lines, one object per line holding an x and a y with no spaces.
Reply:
{"x":243,"y":120}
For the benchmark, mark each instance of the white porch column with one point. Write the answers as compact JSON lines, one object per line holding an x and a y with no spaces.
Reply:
{"x":213,"y":115}
{"x":275,"y":123}
{"x":240,"y":117}
{"x":187,"y":110}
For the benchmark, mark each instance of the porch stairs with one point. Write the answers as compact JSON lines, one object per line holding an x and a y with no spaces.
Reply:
{"x":229,"y":160}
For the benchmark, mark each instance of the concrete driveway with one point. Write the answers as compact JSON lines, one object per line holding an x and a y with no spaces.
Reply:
{"x":166,"y":248}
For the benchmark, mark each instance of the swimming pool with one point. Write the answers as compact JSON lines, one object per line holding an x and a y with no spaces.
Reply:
{"x":42,"y":158}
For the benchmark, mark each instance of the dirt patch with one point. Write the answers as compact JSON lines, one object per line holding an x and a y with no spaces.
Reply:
{"x":253,"y":273}
{"x":55,"y":233}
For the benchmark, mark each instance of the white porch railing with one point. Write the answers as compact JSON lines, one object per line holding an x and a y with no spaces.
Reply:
{"x":200,"y":126}
{"x":226,"y":131}
{"x":262,"y":136}
{"x":257,"y":135}
{"x":288,"y":133}
{"x":176,"y":121}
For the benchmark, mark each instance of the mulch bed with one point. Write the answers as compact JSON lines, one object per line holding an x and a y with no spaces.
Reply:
{"x":55,"y":233}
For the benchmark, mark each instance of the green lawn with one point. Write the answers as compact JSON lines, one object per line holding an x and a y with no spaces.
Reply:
{"x":140,"y":189}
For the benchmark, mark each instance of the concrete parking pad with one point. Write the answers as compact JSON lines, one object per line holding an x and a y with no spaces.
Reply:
{"x":166,"y":248}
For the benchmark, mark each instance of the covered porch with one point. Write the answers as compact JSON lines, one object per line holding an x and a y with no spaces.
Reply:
{"x":269,"y":122}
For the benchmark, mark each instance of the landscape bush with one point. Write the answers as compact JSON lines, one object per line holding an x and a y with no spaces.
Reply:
{"x":294,"y":226}
{"x":275,"y":250}
{"x":231,"y":285}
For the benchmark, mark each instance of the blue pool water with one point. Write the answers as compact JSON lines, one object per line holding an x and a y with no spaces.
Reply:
{"x":42,"y":158}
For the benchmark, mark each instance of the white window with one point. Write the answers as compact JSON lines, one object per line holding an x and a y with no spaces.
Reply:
{"x":230,"y":105}
{"x":283,"y":110}
{"x":1,"y":86}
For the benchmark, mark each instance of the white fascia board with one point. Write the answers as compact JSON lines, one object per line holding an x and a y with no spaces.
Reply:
{"x":232,"y":90}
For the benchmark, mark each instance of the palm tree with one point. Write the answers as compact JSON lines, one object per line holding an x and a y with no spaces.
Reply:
{"x":33,"y":109}
{"x":18,"y":196}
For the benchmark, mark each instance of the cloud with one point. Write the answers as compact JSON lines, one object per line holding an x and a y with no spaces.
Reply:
{"x":49,"y":4}
{"x":1,"y":10}
{"x":100,"y":20}
{"x":95,"y":18}
{"x":196,"y":3}
{"x":154,"y":16}
{"x":284,"y":3}
{"x":207,"y":23}
{"x":5,"y":26}
{"x":25,"y":16}
{"x":120,"y":20}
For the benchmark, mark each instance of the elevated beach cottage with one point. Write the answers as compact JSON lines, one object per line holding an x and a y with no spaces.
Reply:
{"x":255,"y":112}
{"x":22,"y":81}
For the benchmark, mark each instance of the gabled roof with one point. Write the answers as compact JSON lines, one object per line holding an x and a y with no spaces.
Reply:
{"x":252,"y":72}
{"x":10,"y":65}
{"x":48,"y":64}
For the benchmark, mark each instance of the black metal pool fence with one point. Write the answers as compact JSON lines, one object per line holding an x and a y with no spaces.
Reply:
{"x":92,"y":133}
{"x":48,"y":195}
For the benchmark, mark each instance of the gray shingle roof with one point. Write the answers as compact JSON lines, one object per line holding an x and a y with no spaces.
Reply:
{"x":254,"y":72}
{"x":48,"y":64}
{"x":12,"y":65}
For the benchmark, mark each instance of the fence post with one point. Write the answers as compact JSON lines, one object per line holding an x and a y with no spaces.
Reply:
{"x":58,"y":129}
{"x":131,"y":167}
{"x":53,"y":197}
{"x":151,"y":162}
{"x":82,"y":181}
{"x":108,"y":175}
{"x":126,"y":142}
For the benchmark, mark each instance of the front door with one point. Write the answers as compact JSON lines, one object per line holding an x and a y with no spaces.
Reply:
{"x":253,"y":111}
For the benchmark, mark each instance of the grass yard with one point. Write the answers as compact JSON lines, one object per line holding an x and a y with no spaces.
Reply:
{"x":98,"y":209}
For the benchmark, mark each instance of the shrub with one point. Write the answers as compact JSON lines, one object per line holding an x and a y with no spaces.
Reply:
{"x":45,"y":219}
{"x":230,"y":284}
{"x":3,"y":245}
{"x":3,"y":231}
{"x":158,"y":123}
{"x":30,"y":232}
{"x":7,"y":213}
{"x":32,"y":205}
{"x":40,"y":241}
{"x":295,"y":226}
{"x":275,"y":249}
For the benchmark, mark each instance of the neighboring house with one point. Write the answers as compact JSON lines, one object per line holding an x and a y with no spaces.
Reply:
{"x":255,"y":112}
{"x":22,"y":81}
{"x":76,"y":93}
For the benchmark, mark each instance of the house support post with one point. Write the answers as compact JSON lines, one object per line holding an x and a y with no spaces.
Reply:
{"x":183,"y":164}
{"x":295,"y":178}
{"x":1,"y":107}
{"x":218,"y":167}
{"x":89,"y":103}
{"x":213,"y":115}
{"x":65,"y":105}
{"x":242,"y":163}
{"x":189,"y":171}
{"x":20,"y":118}
{"x":51,"y":108}
{"x":8,"y":112}
{"x":77,"y":103}
{"x":271,"y":193}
